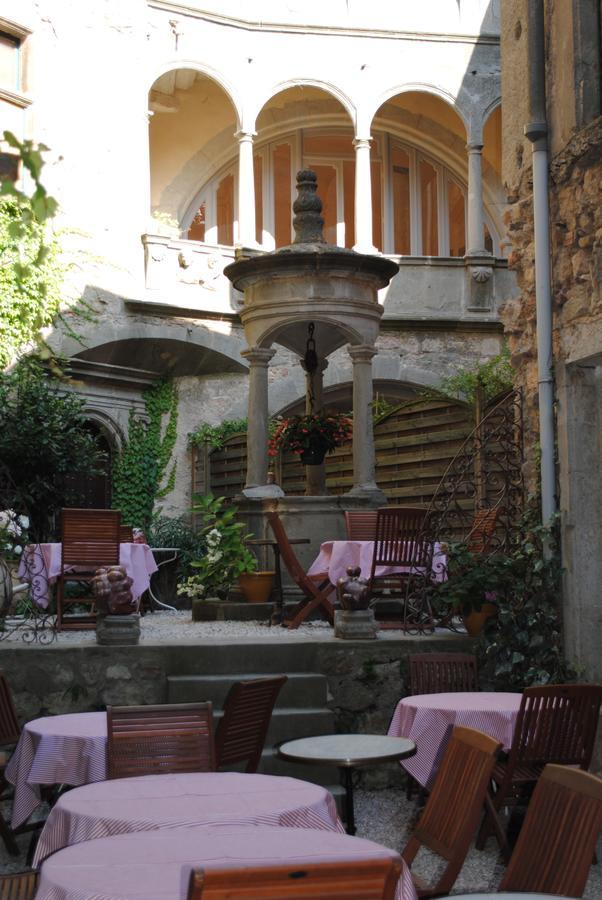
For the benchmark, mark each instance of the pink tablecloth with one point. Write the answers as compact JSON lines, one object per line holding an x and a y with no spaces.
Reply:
{"x":153,"y":802}
{"x":428,"y":720}
{"x":40,"y":565}
{"x":70,"y":749}
{"x":156,"y":866}
{"x":336,"y":556}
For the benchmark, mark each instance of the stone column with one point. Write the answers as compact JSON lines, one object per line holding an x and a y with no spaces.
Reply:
{"x":315,"y":476}
{"x":363,"y":436}
{"x":363,"y":197}
{"x":246,"y":190}
{"x":475,"y":237}
{"x":257,"y":427}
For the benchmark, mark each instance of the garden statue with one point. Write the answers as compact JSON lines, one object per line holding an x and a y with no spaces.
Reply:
{"x":118,"y":621}
{"x":354,"y":620}
{"x":353,"y":590}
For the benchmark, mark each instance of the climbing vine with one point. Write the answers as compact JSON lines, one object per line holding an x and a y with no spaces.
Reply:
{"x":143,"y":463}
{"x":215,"y":436}
{"x":490,"y":378}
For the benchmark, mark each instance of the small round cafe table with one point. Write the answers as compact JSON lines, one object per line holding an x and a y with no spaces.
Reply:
{"x":156,"y":865}
{"x":506,"y":896}
{"x":152,"y":802}
{"x":347,"y":751}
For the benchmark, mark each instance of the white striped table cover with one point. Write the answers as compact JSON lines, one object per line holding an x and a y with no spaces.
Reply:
{"x":150,"y":802}
{"x":156,"y":865}
{"x":69,"y":749}
{"x":428,"y":720}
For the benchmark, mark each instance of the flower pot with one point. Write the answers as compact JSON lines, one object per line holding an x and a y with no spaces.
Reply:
{"x":474,"y":622}
{"x":256,"y":586}
{"x":314,"y":454}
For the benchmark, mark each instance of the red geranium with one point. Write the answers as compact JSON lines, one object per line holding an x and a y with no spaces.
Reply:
{"x":299,"y":433}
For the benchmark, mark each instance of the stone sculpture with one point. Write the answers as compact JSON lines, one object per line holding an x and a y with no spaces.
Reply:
{"x":354,"y":621}
{"x":118,"y":620}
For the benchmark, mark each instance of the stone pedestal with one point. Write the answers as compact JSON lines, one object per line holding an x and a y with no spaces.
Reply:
{"x":355,"y":624}
{"x":114,"y":630}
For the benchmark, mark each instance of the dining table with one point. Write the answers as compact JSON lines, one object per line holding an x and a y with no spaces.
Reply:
{"x":157,"y":865}
{"x":335,"y":557}
{"x":40,"y":566}
{"x":163,"y":802}
{"x":428,"y":720}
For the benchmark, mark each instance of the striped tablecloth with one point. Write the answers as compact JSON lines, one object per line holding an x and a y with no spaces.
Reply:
{"x":151,"y":802}
{"x":428,"y":719}
{"x":157,"y":866}
{"x":70,"y":749}
{"x":335,"y":556}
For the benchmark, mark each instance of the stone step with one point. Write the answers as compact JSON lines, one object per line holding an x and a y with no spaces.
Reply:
{"x":269,"y":656}
{"x":289,"y":723}
{"x":303,"y":689}
{"x":232,"y":611}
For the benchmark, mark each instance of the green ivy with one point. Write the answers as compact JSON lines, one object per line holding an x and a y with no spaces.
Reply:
{"x":491,"y":378}
{"x":215,"y":436}
{"x":144,"y":459}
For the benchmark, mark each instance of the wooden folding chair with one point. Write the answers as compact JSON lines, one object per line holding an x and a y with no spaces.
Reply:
{"x":21,"y":886}
{"x":154,"y":740}
{"x":374,"y":879}
{"x":315,"y":589}
{"x":361,"y":524}
{"x":451,"y":815}
{"x":241,"y":732}
{"x":482,"y":531}
{"x":400,"y":542}
{"x":556,"y":724}
{"x":89,"y":539}
{"x":9,"y":735}
{"x":441,"y":673}
{"x":125,"y":534}
{"x":557,"y":842}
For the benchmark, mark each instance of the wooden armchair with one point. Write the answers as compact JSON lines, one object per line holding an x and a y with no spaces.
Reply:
{"x":374,"y":879}
{"x":241,"y":732}
{"x":89,"y":539}
{"x":556,"y":724}
{"x":316,"y":591}
{"x":361,"y":524}
{"x":154,"y":740}
{"x":558,"y":839}
{"x":451,"y":815}
{"x":21,"y":886}
{"x":437,"y":673}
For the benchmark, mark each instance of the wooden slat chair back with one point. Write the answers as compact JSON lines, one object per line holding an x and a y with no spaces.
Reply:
{"x":9,"y":735}
{"x":557,"y":842}
{"x":374,"y":879}
{"x":453,"y":809}
{"x":483,"y":529}
{"x":316,"y":593}
{"x":155,"y":740}
{"x":440,"y":673}
{"x":125,"y":534}
{"x":361,"y":524}
{"x":556,"y":723}
{"x":89,"y":540}
{"x":400,"y":539}
{"x":21,"y":886}
{"x":241,"y":732}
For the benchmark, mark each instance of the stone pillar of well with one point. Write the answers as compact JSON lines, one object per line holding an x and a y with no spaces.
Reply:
{"x":246,"y":190}
{"x":364,"y":461}
{"x":475,"y":237}
{"x":315,"y":476}
{"x":363,"y":197}
{"x":257,"y":427}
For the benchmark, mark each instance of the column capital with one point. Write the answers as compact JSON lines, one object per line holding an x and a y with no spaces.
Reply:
{"x":474,"y":147}
{"x":362,"y":353}
{"x":258,"y":356}
{"x":362,"y":143}
{"x":243,"y":136}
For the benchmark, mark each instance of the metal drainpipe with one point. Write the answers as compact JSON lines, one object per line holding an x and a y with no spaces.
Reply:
{"x":536,"y":131}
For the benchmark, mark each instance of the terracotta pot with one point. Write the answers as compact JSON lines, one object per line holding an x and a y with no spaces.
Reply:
{"x":474,"y":622}
{"x":256,"y":586}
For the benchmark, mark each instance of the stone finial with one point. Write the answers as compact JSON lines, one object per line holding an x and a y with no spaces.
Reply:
{"x":307,"y":207}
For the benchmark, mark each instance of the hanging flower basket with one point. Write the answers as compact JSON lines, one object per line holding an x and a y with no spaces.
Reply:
{"x":310,"y":437}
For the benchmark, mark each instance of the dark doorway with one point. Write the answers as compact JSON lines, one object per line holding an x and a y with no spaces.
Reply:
{"x":94,"y":491}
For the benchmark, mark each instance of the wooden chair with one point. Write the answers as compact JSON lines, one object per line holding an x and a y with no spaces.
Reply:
{"x":437,"y":673}
{"x":558,"y":839}
{"x":126,"y":535}
{"x":374,"y":879}
{"x":316,"y":590}
{"x":154,"y":740}
{"x":451,"y":815}
{"x":556,"y":724}
{"x":241,"y":732}
{"x":482,"y":531}
{"x":400,"y":542}
{"x":89,"y":539}
{"x":21,"y":886}
{"x":9,"y":735}
{"x":361,"y":524}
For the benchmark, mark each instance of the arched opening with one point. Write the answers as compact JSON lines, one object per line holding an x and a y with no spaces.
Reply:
{"x":93,"y":490}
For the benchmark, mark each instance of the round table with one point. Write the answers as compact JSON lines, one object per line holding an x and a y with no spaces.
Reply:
{"x":151,"y":802}
{"x":69,"y":749}
{"x":347,"y":751}
{"x":505,"y":896}
{"x":156,"y":865}
{"x":428,"y":719}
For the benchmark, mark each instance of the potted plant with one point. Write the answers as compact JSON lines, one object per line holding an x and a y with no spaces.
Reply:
{"x":310,"y":436}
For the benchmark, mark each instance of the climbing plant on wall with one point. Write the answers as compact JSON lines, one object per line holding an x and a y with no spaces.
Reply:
{"x":141,"y":472}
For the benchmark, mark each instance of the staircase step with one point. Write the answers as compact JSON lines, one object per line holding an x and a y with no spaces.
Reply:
{"x":289,"y":723}
{"x":303,"y":689}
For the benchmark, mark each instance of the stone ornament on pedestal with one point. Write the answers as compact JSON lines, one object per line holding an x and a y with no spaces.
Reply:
{"x":118,"y":620}
{"x":354,"y":621}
